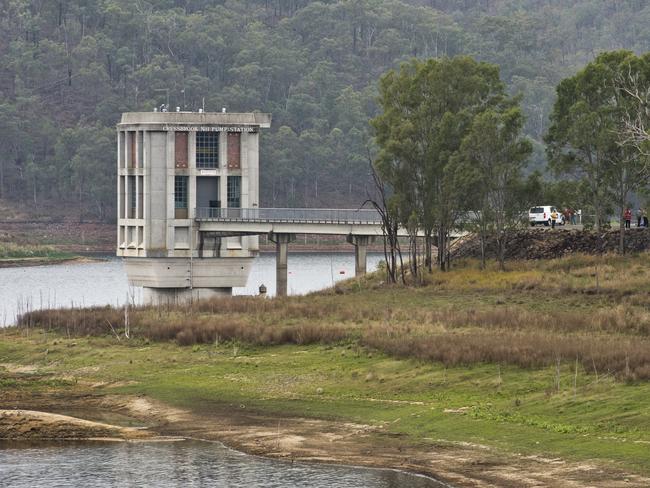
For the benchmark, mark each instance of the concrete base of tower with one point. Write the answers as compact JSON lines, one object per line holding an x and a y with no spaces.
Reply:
{"x":176,"y":296}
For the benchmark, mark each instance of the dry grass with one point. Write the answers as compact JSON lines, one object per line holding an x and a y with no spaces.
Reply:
{"x":531,"y":316}
{"x":627,"y":358}
{"x":185,"y":325}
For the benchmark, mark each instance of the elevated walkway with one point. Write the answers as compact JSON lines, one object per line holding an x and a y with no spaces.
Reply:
{"x":247,"y":221}
{"x":360,"y":226}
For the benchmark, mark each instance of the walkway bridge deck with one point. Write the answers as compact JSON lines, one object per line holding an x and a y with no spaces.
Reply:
{"x":238,"y":221}
{"x":360,"y":226}
{"x":282,"y":224}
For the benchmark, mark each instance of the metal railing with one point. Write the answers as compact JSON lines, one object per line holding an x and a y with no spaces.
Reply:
{"x":297,"y":215}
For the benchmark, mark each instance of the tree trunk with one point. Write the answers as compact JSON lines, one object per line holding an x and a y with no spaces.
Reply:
{"x":2,"y":177}
{"x":501,"y":252}
{"x":482,"y":242}
{"x":442,"y":248}
{"x":413,"y":255}
{"x":623,"y":197}
{"x":621,"y":234}
{"x":427,"y":251}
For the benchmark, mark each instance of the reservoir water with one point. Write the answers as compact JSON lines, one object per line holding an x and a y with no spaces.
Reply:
{"x":184,"y":464}
{"x":104,"y":282}
{"x":177,"y":464}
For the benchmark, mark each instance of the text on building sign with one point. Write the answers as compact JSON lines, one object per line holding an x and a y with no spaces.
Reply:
{"x":209,"y":128}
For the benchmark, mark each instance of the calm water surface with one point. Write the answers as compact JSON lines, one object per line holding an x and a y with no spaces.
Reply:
{"x":182,"y":464}
{"x":179,"y":464}
{"x":104,"y":282}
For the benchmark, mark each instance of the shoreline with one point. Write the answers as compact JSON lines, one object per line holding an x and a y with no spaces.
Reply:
{"x":293,"y":379}
{"x":44,"y":261}
{"x":298,"y":439}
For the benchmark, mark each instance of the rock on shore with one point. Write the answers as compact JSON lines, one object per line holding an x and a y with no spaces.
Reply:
{"x":545,"y":243}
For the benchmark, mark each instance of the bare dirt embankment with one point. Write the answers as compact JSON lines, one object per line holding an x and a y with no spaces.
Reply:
{"x":74,"y":237}
{"x":36,"y":425}
{"x":544,"y":243}
{"x":301,"y":439}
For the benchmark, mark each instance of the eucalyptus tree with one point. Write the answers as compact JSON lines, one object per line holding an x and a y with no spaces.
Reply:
{"x":633,"y":99}
{"x":587,"y":138}
{"x":492,"y":158}
{"x":428,"y":108}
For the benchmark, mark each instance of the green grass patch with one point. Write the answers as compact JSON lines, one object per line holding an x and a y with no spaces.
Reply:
{"x":508,"y":408}
{"x":9,"y":251}
{"x":549,"y":358}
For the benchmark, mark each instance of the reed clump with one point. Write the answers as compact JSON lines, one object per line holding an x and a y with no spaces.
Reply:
{"x":192,"y":324}
{"x":623,"y":357}
{"x":208,"y":329}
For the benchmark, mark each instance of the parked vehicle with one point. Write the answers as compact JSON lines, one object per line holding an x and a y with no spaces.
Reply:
{"x":542,"y":215}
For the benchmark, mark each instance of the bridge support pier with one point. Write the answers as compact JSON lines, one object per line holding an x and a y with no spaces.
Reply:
{"x":281,"y":257}
{"x":360,"y":244}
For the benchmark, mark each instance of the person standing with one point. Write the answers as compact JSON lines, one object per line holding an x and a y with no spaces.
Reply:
{"x":553,"y":218}
{"x":645,"y":218}
{"x":627,"y":216}
{"x":639,"y":216}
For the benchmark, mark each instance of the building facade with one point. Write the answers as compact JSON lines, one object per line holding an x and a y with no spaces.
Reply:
{"x":172,"y":168}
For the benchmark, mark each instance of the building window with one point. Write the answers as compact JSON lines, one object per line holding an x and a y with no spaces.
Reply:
{"x":207,"y":149}
{"x":132,"y":197}
{"x":234,"y":191}
{"x":180,"y":197}
{"x":180,"y":192}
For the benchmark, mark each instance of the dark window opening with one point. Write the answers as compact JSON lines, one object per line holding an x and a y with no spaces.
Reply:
{"x":180,"y":197}
{"x":207,"y":149}
{"x":234,"y":191}
{"x":132,"y":197}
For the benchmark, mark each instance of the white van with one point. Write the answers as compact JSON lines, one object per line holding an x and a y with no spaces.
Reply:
{"x":542,"y":215}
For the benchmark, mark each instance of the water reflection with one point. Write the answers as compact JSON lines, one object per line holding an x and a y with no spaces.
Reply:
{"x":182,"y":464}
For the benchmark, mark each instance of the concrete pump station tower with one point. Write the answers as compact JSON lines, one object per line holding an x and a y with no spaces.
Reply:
{"x":171,"y":167}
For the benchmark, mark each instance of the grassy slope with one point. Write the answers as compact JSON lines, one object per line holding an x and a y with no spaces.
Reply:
{"x":511,"y":408}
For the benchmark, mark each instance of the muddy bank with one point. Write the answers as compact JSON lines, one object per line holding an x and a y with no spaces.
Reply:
{"x":22,"y":425}
{"x":301,"y":439}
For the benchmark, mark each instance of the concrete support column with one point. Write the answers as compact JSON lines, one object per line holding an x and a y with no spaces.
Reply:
{"x":281,"y":258}
{"x":360,"y":244}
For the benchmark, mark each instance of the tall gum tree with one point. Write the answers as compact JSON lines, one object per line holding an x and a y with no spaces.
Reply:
{"x":491,"y":161}
{"x":582,"y":138}
{"x":427,"y":109}
{"x":587,"y":136}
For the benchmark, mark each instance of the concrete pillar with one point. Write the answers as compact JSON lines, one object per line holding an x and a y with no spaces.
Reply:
{"x":281,"y":254}
{"x":360,"y":244}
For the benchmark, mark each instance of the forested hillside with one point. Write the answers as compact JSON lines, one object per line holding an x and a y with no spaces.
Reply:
{"x":69,"y":68}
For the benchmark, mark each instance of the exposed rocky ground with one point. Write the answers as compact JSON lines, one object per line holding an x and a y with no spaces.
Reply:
{"x":551,"y":243}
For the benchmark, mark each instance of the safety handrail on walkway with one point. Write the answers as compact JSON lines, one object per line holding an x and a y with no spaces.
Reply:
{"x":293,"y":215}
